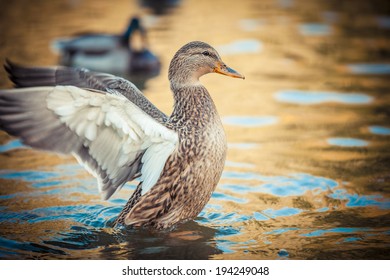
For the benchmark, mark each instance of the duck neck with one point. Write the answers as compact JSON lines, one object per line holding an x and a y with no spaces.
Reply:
{"x":193,"y":103}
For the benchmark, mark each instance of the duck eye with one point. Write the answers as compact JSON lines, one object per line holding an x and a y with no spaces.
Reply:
{"x":206,"y":53}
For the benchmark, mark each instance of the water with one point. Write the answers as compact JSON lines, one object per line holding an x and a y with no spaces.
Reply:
{"x":369,"y":68}
{"x":318,"y":97}
{"x":315,"y":29}
{"x":307,"y":171}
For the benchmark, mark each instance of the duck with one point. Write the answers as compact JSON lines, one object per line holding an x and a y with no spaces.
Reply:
{"x":112,"y":53}
{"x":118,"y":135}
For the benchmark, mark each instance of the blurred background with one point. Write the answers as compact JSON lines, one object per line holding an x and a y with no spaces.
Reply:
{"x":308,"y":168}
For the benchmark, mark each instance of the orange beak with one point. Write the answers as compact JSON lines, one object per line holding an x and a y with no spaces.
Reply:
{"x":221,"y":68}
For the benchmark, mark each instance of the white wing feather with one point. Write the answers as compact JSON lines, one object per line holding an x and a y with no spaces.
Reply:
{"x":115,"y":131}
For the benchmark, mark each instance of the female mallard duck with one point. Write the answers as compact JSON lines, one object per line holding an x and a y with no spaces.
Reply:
{"x":118,"y":134}
{"x":109,"y":53}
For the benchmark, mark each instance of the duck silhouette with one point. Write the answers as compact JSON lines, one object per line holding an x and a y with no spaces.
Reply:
{"x":111,"y":53}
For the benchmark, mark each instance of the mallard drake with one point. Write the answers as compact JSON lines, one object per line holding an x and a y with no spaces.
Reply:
{"x":112,"y":53}
{"x":113,"y":130}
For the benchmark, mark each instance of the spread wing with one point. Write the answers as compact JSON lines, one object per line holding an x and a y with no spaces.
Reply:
{"x":60,"y":75}
{"x":113,"y":138}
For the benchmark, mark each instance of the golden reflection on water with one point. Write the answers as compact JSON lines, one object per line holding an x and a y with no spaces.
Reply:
{"x":348,"y":220}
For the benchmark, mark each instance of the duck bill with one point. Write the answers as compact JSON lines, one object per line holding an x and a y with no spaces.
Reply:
{"x":224,"y":70}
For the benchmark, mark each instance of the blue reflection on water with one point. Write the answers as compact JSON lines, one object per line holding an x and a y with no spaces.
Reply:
{"x":12,"y":145}
{"x":241,"y":46}
{"x":351,"y":239}
{"x":316,"y":97}
{"x":238,"y":188}
{"x":297,"y":185}
{"x":280,"y":230}
{"x":347,"y":142}
{"x":380,"y":130}
{"x":355,"y":200}
{"x":283,"y":253}
{"x":283,"y":212}
{"x":241,"y":175}
{"x":260,"y":217}
{"x":369,"y":68}
{"x":294,"y":185}
{"x":46,"y":184}
{"x":324,"y":209}
{"x":248,"y":121}
{"x":315,"y":29}
{"x":223,"y":196}
{"x":221,"y":218}
{"x":321,"y":232}
{"x":29,"y":175}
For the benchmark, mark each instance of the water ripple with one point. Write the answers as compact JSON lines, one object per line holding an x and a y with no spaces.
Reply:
{"x":12,"y":145}
{"x":321,"y":232}
{"x":355,"y":200}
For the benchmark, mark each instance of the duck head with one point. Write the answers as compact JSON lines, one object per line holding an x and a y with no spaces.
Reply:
{"x":194,"y":60}
{"x":134,"y":25}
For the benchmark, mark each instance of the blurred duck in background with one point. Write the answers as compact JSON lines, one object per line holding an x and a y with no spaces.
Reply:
{"x":112,"y":53}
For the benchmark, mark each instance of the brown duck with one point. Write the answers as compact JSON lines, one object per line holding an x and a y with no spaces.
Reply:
{"x":118,"y":135}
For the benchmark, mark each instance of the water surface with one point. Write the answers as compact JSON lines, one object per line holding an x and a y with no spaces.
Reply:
{"x":307,"y":170}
